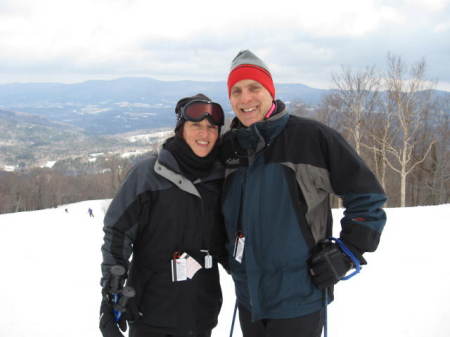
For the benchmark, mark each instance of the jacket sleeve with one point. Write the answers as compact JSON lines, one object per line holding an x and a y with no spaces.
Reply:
{"x":121,"y":223}
{"x":362,"y":195}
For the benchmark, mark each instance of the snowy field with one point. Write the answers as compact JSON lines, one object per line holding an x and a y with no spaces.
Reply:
{"x":50,"y":271}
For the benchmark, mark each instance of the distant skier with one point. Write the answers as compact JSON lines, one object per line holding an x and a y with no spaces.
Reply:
{"x":66,"y":210}
{"x":91,"y":213}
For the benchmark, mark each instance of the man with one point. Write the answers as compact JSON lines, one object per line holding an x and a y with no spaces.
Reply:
{"x":280,"y":173}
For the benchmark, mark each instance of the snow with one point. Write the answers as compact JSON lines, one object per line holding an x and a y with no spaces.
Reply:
{"x":92,"y":109}
{"x":51,"y":272}
{"x":9,"y":168}
{"x":50,"y":163}
{"x":126,"y":104}
{"x":132,"y":153}
{"x":96,"y":154}
{"x":133,"y":105}
{"x":151,"y":137}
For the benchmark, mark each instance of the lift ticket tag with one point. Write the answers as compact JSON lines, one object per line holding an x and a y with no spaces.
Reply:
{"x":183,"y":267}
{"x":178,"y":266}
{"x":208,"y":259}
{"x":239,"y":247}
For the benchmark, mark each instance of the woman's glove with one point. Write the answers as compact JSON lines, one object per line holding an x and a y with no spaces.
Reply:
{"x":108,"y":325}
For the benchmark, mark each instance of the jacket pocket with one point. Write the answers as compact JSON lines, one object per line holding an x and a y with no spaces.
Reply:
{"x":285,"y":290}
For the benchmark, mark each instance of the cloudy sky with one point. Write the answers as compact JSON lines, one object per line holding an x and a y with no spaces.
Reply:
{"x":302,"y":41}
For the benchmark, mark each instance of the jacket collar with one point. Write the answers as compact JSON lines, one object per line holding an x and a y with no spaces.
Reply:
{"x":261,"y":134}
{"x":280,"y":109}
{"x":167,"y":167}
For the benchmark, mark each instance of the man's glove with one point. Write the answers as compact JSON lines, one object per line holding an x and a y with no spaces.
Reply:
{"x":328,"y":264}
{"x":108,"y":325}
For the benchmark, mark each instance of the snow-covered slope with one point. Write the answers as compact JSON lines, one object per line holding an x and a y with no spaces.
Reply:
{"x":50,"y":272}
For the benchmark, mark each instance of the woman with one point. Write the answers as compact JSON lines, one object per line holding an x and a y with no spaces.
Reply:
{"x":167,"y":215}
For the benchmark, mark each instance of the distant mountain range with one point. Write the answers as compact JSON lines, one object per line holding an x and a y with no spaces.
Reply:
{"x":50,"y":121}
{"x":125,"y":104}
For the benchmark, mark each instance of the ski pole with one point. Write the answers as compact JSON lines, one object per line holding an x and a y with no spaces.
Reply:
{"x":234,"y":318}
{"x":325,"y":314}
{"x":125,"y":294}
{"x":117,"y":271}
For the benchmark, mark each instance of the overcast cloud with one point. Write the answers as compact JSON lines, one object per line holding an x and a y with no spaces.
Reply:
{"x":301,"y":41}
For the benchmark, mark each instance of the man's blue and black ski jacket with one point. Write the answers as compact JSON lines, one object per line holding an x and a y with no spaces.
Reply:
{"x":280,"y":174}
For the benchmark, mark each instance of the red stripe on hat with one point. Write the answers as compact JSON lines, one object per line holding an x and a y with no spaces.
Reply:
{"x":251,"y":72}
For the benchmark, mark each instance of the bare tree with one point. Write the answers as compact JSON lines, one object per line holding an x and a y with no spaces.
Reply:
{"x":408,"y":97}
{"x":118,"y":168}
{"x":357,"y":94}
{"x":357,"y":104}
{"x":379,"y":130}
{"x":329,"y":111}
{"x":439,"y":162}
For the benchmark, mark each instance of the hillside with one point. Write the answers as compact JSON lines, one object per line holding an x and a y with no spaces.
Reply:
{"x":28,"y":140}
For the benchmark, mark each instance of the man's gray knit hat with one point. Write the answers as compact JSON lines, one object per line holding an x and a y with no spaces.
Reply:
{"x":247,"y":57}
{"x":247,"y":65}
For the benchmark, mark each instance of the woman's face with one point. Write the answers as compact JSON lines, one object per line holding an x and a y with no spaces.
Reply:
{"x":200,"y":136}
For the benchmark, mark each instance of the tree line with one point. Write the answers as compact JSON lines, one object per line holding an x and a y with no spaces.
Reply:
{"x":41,"y":188}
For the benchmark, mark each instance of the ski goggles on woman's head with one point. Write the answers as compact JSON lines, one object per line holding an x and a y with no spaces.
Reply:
{"x":196,"y":111}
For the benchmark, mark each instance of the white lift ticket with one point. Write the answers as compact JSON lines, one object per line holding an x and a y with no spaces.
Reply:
{"x":184,"y":267}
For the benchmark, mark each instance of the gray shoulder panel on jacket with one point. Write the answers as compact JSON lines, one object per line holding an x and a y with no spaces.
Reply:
{"x":182,"y":182}
{"x":140,"y":179}
{"x":177,"y":179}
{"x":315,"y":185}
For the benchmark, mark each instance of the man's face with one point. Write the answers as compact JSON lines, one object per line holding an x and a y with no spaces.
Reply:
{"x":250,"y":101}
{"x":200,"y":136}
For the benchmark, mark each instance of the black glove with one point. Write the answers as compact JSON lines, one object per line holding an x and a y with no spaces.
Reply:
{"x":108,"y":326}
{"x":328,"y":264}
